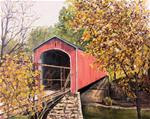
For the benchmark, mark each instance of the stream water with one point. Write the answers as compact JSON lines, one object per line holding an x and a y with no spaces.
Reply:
{"x":96,"y":112}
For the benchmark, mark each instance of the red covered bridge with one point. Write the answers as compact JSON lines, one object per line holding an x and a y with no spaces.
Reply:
{"x":60,"y":60}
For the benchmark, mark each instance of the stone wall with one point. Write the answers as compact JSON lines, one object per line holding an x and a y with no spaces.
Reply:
{"x":96,"y":92}
{"x":68,"y":108}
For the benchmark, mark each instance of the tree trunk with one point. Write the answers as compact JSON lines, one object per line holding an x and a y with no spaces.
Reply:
{"x":138,"y":105}
{"x":2,"y":51}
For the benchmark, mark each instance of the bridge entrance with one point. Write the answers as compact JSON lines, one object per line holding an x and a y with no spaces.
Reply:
{"x":55,"y":70}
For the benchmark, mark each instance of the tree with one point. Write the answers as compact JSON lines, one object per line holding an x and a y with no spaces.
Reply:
{"x":38,"y":35}
{"x":60,"y":29}
{"x":63,"y":29}
{"x":20,"y":86}
{"x":16,"y":21}
{"x":117,"y":35}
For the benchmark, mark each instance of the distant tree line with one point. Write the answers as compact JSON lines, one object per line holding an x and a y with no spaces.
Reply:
{"x":60,"y":29}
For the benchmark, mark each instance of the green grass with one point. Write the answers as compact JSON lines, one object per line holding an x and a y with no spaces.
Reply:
{"x":93,"y":112}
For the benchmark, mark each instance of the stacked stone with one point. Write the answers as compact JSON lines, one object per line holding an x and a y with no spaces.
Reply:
{"x":67,"y":108}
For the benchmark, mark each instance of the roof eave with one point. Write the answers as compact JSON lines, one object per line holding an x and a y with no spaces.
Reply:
{"x":65,"y":41}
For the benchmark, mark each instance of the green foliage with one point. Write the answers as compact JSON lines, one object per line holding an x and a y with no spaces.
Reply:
{"x":61,"y":30}
{"x":64,"y":30}
{"x":39,"y":35}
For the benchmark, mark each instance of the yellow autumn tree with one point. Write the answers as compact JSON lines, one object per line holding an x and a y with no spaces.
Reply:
{"x":20,"y":90}
{"x":117,"y":35}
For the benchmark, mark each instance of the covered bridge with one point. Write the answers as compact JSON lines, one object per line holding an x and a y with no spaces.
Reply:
{"x":61,"y":62}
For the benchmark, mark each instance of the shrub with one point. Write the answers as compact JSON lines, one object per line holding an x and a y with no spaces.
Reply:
{"x":107,"y":101}
{"x":20,"y":85}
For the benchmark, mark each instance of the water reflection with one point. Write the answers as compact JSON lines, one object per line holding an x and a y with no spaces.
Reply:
{"x":96,"y":112}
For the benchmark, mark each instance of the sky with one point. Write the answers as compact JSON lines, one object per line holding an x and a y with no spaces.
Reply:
{"x":47,"y":11}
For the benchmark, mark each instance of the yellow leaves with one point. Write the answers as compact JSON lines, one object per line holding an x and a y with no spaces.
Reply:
{"x":142,"y":2}
{"x":86,"y":35}
{"x":117,"y":30}
{"x":137,"y":8}
{"x":1,"y":80}
{"x":17,"y":82}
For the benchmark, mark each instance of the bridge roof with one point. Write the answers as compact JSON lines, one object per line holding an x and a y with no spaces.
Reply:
{"x":65,"y":41}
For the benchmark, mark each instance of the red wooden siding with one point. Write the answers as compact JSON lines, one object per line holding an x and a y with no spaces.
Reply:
{"x":56,"y":44}
{"x":86,"y":73}
{"x":83,"y":74}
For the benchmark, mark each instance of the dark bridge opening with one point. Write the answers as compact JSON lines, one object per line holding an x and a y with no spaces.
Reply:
{"x":55,"y":69}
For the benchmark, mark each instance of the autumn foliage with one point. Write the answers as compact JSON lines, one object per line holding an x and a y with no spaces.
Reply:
{"x":20,"y":87}
{"x":117,"y":35}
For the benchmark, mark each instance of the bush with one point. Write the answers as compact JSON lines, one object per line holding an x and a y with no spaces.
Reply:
{"x":107,"y":101}
{"x":20,"y":85}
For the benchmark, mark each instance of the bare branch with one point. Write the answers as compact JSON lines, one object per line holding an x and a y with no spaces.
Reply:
{"x":16,"y":21}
